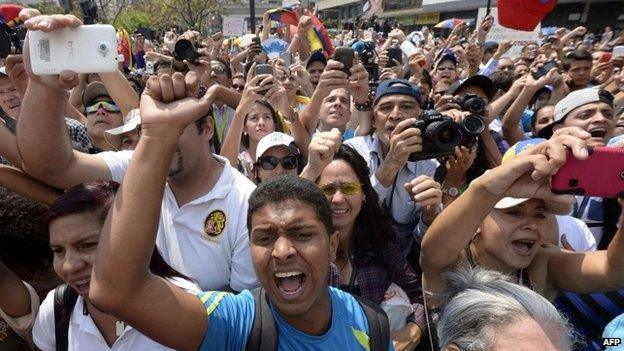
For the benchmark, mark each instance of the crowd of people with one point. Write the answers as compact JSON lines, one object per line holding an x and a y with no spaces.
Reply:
{"x":240,"y":198}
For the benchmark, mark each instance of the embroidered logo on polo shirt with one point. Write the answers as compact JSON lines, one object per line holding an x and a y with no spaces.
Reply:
{"x":215,"y":224}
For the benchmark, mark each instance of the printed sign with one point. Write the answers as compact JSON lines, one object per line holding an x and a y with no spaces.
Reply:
{"x":499,"y":33}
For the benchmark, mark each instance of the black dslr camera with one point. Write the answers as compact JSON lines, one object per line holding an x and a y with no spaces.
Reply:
{"x":441,"y":134}
{"x":473,"y":104}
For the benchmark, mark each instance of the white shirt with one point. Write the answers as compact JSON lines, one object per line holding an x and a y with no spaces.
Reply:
{"x":83,"y":334}
{"x":192,"y":238}
{"x":577,"y":234}
{"x":404,"y":209}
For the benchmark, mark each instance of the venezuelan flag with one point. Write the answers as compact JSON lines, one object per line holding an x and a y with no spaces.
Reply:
{"x":283,"y":15}
{"x":124,"y":46}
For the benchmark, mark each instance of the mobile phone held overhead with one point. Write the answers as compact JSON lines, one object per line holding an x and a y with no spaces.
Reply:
{"x":600,"y":175}
{"x":84,"y":49}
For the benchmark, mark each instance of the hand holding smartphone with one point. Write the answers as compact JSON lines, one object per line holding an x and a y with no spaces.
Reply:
{"x":345,"y":56}
{"x":263,"y":69}
{"x":600,"y":175}
{"x":84,"y":49}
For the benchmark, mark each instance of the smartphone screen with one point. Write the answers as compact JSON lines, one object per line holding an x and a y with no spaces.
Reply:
{"x":344,"y":55}
{"x":394,"y":54}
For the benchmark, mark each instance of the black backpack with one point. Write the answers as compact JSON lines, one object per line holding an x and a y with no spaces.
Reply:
{"x":264,"y":336}
{"x":64,"y":301}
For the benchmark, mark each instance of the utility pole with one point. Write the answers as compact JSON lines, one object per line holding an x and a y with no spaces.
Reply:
{"x":252,"y":16}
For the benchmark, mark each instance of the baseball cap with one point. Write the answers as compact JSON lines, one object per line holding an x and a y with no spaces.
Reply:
{"x":532,"y":12}
{"x":397,"y":87}
{"x":317,"y":56}
{"x":508,"y":202}
{"x":446,"y":54}
{"x":574,"y":100}
{"x":478,"y":80}
{"x":276,"y":139}
{"x":490,"y":46}
{"x":131,"y":121}
{"x":93,"y":91}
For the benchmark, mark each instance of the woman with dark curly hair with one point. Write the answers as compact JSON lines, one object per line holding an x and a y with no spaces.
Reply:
{"x":368,"y":259}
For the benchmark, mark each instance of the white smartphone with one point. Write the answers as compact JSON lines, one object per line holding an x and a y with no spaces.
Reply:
{"x":84,"y":49}
{"x":408,"y":48}
{"x":617,"y":51}
{"x":149,"y":67}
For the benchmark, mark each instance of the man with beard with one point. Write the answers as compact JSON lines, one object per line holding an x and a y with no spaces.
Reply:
{"x":202,"y":231}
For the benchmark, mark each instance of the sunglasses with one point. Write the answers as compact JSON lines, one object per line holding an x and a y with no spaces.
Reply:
{"x":345,"y":188}
{"x":269,"y":163}
{"x":238,"y":87}
{"x":218,"y":69}
{"x":107,"y":106}
{"x":442,"y":68}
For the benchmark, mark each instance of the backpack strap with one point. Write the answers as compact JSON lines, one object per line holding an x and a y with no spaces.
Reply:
{"x":64,"y":301}
{"x":378,"y":324}
{"x":263,"y":334}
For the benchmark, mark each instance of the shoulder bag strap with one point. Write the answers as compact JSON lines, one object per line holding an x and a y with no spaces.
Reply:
{"x":263,"y":334}
{"x":64,"y":301}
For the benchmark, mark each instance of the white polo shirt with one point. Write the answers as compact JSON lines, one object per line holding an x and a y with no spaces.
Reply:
{"x":205,"y":239}
{"x":83,"y":334}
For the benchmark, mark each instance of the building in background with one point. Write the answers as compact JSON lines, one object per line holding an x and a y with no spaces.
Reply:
{"x":593,"y":14}
{"x":413,"y":14}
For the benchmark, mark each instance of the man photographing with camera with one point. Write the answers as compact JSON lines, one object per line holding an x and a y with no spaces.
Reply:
{"x":407,"y":191}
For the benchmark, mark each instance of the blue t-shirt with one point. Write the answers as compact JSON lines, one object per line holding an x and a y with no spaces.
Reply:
{"x":231,"y":318}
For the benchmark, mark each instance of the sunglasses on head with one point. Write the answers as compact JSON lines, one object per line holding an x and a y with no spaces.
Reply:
{"x":107,"y":106}
{"x":345,"y":188}
{"x":269,"y":163}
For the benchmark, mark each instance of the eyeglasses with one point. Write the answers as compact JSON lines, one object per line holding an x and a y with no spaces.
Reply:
{"x":268,"y":163}
{"x":443,"y":68}
{"x":107,"y":106}
{"x":345,"y":188}
{"x":218,"y":69}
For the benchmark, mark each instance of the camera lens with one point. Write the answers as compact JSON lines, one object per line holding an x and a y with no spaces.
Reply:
{"x":444,"y":134}
{"x":476,"y":105}
{"x":103,"y":47}
{"x":184,"y":50}
{"x":473,"y":125}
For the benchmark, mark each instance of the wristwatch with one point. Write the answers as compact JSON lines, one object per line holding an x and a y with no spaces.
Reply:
{"x":451,"y":191}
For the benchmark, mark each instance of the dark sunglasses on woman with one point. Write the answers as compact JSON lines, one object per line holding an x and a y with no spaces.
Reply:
{"x":269,"y":163}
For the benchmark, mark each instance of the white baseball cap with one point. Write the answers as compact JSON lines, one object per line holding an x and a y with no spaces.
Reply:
{"x":572,"y":101}
{"x":276,"y":139}
{"x":131,"y":121}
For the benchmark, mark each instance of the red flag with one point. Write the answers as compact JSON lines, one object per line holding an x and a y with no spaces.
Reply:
{"x":523,"y":14}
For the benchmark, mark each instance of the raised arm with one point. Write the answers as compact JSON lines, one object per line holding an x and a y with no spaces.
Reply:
{"x":42,"y":136}
{"x":120,"y":91}
{"x":526,"y":176}
{"x":331,"y":79}
{"x":14,"y":297}
{"x":137,"y":296}
{"x":599,"y":270}
{"x":232,"y":140}
{"x":23,"y":184}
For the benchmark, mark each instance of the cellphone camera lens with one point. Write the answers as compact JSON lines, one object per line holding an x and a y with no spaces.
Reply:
{"x":103,"y":47}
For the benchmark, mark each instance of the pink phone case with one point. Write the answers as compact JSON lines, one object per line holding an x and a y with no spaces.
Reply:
{"x":601,"y":175}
